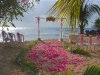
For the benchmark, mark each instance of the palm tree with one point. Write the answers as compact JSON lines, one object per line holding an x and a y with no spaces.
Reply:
{"x":65,"y":9}
{"x":97,"y":23}
{"x":75,"y":12}
{"x":86,"y":11}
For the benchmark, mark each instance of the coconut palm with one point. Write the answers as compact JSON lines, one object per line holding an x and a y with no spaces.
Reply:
{"x":75,"y":11}
{"x":97,"y":23}
{"x":86,"y":11}
{"x":65,"y":9}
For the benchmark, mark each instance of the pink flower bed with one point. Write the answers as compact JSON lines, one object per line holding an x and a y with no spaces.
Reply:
{"x":52,"y":57}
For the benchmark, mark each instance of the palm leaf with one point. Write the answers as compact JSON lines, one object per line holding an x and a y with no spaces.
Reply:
{"x":92,"y":70}
{"x":86,"y":11}
{"x":75,"y":11}
{"x":63,"y":10}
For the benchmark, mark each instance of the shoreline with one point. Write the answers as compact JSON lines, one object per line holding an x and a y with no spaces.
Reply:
{"x":45,"y":32}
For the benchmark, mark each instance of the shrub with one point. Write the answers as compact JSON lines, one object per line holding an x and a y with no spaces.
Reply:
{"x":82,"y":52}
{"x":65,"y":44}
{"x":20,"y":59}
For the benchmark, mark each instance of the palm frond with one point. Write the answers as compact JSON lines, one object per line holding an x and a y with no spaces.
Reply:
{"x":95,"y":9}
{"x":92,"y":70}
{"x":62,"y":9}
{"x":75,"y":11}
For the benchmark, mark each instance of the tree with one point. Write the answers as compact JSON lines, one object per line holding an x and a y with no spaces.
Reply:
{"x":76,"y":12}
{"x":86,"y":11}
{"x":65,"y":9}
{"x":13,"y":9}
{"x":97,"y":23}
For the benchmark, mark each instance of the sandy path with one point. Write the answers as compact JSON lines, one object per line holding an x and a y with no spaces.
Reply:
{"x":8,"y":65}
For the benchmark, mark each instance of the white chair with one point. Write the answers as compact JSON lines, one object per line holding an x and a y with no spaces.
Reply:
{"x":97,"y":42}
{"x":82,"y":41}
{"x":5,"y":37}
{"x":91,"y":42}
{"x":20,"y":39}
{"x":11,"y":37}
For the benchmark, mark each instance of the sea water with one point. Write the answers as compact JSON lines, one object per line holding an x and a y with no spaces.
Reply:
{"x":31,"y":33}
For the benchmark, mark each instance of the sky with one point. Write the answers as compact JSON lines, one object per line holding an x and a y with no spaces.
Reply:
{"x":40,"y":9}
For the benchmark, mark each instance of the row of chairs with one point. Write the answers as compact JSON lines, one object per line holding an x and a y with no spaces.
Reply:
{"x":81,"y":40}
{"x":12,"y":38}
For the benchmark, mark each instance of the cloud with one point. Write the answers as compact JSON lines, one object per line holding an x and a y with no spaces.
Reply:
{"x":96,"y":2}
{"x":29,"y":19}
{"x":39,"y":10}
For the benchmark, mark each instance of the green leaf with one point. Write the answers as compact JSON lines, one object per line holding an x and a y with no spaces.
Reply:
{"x":13,"y":24}
{"x":13,"y":9}
{"x":92,"y":70}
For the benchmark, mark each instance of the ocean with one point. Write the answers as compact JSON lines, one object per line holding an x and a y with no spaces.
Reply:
{"x":45,"y":32}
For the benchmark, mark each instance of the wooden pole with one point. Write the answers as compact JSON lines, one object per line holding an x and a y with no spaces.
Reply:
{"x":38,"y":21}
{"x":61,"y":30}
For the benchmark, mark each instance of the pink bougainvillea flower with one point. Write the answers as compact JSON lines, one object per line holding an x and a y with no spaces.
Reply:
{"x":52,"y":57}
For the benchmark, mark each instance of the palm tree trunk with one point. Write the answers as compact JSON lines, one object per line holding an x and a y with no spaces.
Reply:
{"x":81,"y":29}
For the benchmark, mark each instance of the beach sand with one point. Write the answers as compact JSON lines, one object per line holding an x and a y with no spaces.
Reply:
{"x":8,"y":64}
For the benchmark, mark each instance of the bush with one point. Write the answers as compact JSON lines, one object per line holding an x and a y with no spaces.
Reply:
{"x":65,"y":44}
{"x":20,"y":59}
{"x":81,"y":51}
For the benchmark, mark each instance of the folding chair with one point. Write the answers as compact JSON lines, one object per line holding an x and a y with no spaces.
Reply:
{"x":97,"y":42}
{"x":12,"y":38}
{"x":90,"y":41}
{"x":20,"y":39}
{"x":5,"y":37}
{"x":82,"y":41}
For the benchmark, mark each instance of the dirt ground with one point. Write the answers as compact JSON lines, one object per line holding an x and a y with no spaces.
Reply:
{"x":8,"y":64}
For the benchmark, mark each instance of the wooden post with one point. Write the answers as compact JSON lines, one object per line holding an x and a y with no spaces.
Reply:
{"x":38,"y":21}
{"x":61,"y":30}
